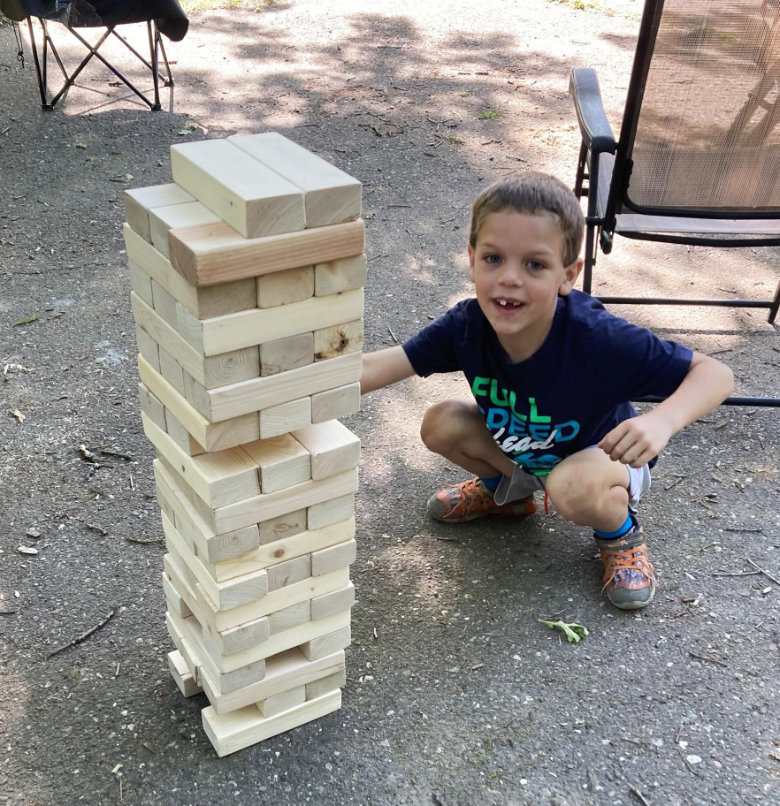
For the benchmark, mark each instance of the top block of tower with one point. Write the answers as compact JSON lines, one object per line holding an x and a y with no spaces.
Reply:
{"x":244,"y":192}
{"x":330,"y":195}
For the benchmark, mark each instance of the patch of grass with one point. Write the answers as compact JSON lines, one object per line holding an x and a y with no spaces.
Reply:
{"x":488,"y":114}
{"x":455,"y":140}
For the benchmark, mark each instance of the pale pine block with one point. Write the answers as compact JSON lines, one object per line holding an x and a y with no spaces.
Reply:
{"x":164,"y":304}
{"x":235,"y":331}
{"x":151,"y":406}
{"x":336,"y":276}
{"x":181,"y":675}
{"x":190,"y":328}
{"x":212,"y":548}
{"x":284,"y":287}
{"x":243,"y":637}
{"x":279,"y":703}
{"x":325,"y":685}
{"x":140,"y":283}
{"x":288,"y":572}
{"x":220,"y":478}
{"x":331,"y":196}
{"x":285,"y":417}
{"x":171,"y":370}
{"x":173,"y":598}
{"x":280,"y":355}
{"x":232,"y":367}
{"x":227,"y":680}
{"x":188,"y":214}
{"x":226,"y":595}
{"x":289,"y":617}
{"x":243,"y":192}
{"x":216,"y":253}
{"x":179,"y":434}
{"x":329,"y":643}
{"x":338,"y":340}
{"x":205,"y":303}
{"x":329,"y":559}
{"x":334,"y":403}
{"x":239,"y":729}
{"x":270,"y":505}
{"x":147,"y":347}
{"x":332,"y":446}
{"x":138,"y":202}
{"x":333,"y":602}
{"x":281,"y":526}
{"x":332,"y":511}
{"x":260,"y":394}
{"x":197,"y":394}
{"x":281,"y":462}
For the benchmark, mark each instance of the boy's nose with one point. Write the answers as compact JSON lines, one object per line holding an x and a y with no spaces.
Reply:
{"x":512,"y":274}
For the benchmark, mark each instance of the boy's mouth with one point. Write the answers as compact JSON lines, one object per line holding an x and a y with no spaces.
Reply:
{"x":508,"y":304}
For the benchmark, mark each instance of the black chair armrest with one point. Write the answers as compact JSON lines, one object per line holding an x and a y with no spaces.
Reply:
{"x":594,"y":126}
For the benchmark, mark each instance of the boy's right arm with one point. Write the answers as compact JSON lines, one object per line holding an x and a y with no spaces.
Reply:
{"x":383,"y":367}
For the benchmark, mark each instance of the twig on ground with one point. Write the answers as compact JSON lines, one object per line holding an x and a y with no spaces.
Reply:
{"x":708,"y":659}
{"x":762,"y":571}
{"x":642,"y":799}
{"x":143,"y":541}
{"x":82,"y":637}
{"x":393,"y":336}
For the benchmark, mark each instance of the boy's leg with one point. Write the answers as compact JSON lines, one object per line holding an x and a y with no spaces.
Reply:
{"x":590,"y":489}
{"x":455,"y":430}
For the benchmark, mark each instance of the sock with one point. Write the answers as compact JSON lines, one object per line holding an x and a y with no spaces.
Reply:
{"x":492,"y":483}
{"x":623,"y":530}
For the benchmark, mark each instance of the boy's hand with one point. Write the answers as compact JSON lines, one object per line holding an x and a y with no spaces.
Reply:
{"x":637,"y":440}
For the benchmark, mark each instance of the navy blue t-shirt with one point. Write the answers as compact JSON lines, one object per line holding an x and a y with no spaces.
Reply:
{"x":572,"y":391}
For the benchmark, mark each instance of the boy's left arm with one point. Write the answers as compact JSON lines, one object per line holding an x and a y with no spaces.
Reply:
{"x":638,"y":440}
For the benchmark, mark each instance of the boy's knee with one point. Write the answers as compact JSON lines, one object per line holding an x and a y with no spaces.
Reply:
{"x":571,"y":491}
{"x":441,"y":424}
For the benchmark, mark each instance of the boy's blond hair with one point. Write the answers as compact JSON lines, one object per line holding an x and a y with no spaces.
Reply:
{"x":535,"y":194}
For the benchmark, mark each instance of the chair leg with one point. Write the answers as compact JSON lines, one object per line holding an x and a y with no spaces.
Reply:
{"x":775,"y":305}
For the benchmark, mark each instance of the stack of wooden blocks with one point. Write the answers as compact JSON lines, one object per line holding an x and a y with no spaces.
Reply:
{"x":247,"y":291}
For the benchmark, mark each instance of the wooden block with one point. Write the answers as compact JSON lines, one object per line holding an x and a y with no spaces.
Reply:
{"x":334,"y":510}
{"x":182,"y":676}
{"x":212,"y":548}
{"x":281,"y":355}
{"x":138,"y":202}
{"x":140,"y":283}
{"x":220,"y":478}
{"x":239,"y":590}
{"x":151,"y":406}
{"x":236,"y":730}
{"x":329,"y":559}
{"x":206,"y":302}
{"x":147,"y":347}
{"x":326,"y":685}
{"x":279,"y":703}
{"x":338,"y":340}
{"x":281,"y":526}
{"x":246,"y":194}
{"x":288,"y":572}
{"x":285,"y":287}
{"x":285,"y":417}
{"x":243,"y":637}
{"x":173,"y":598}
{"x":171,"y":370}
{"x":325,"y":645}
{"x":281,"y":461}
{"x":248,"y":328}
{"x":217,"y":253}
{"x":179,"y":434}
{"x":164,"y":304}
{"x":333,"y":602}
{"x":163,"y":219}
{"x":334,"y":403}
{"x":259,"y":394}
{"x":289,"y":617}
{"x":336,"y":276}
{"x":212,"y":436}
{"x":270,"y":505}
{"x":332,"y":446}
{"x":330,"y":195}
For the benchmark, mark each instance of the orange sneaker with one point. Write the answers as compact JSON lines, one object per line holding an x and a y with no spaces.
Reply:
{"x":629,"y":578}
{"x":469,"y":500}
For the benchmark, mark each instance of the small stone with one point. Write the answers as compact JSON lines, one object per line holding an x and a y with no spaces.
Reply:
{"x":26,"y":550}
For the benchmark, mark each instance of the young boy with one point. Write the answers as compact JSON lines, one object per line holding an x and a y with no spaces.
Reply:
{"x":552,"y":374}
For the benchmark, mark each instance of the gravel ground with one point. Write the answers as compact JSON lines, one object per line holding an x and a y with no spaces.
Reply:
{"x":455,"y":693}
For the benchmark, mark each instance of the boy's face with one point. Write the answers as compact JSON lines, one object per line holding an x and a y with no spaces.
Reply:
{"x":517,"y":268}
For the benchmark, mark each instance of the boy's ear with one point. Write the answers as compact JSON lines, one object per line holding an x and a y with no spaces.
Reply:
{"x":471,"y":263}
{"x":570,"y":275}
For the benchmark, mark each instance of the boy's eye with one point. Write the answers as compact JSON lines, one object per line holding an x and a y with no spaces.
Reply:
{"x":491,"y":258}
{"x":535,"y":265}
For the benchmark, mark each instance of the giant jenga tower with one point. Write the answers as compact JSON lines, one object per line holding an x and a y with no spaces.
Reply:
{"x":247,"y":290}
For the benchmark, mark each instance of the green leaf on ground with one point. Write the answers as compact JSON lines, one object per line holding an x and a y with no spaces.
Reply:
{"x":574,"y":632}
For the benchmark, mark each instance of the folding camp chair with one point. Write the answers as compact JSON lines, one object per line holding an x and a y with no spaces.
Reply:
{"x":698,"y":156}
{"x":160,"y":16}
